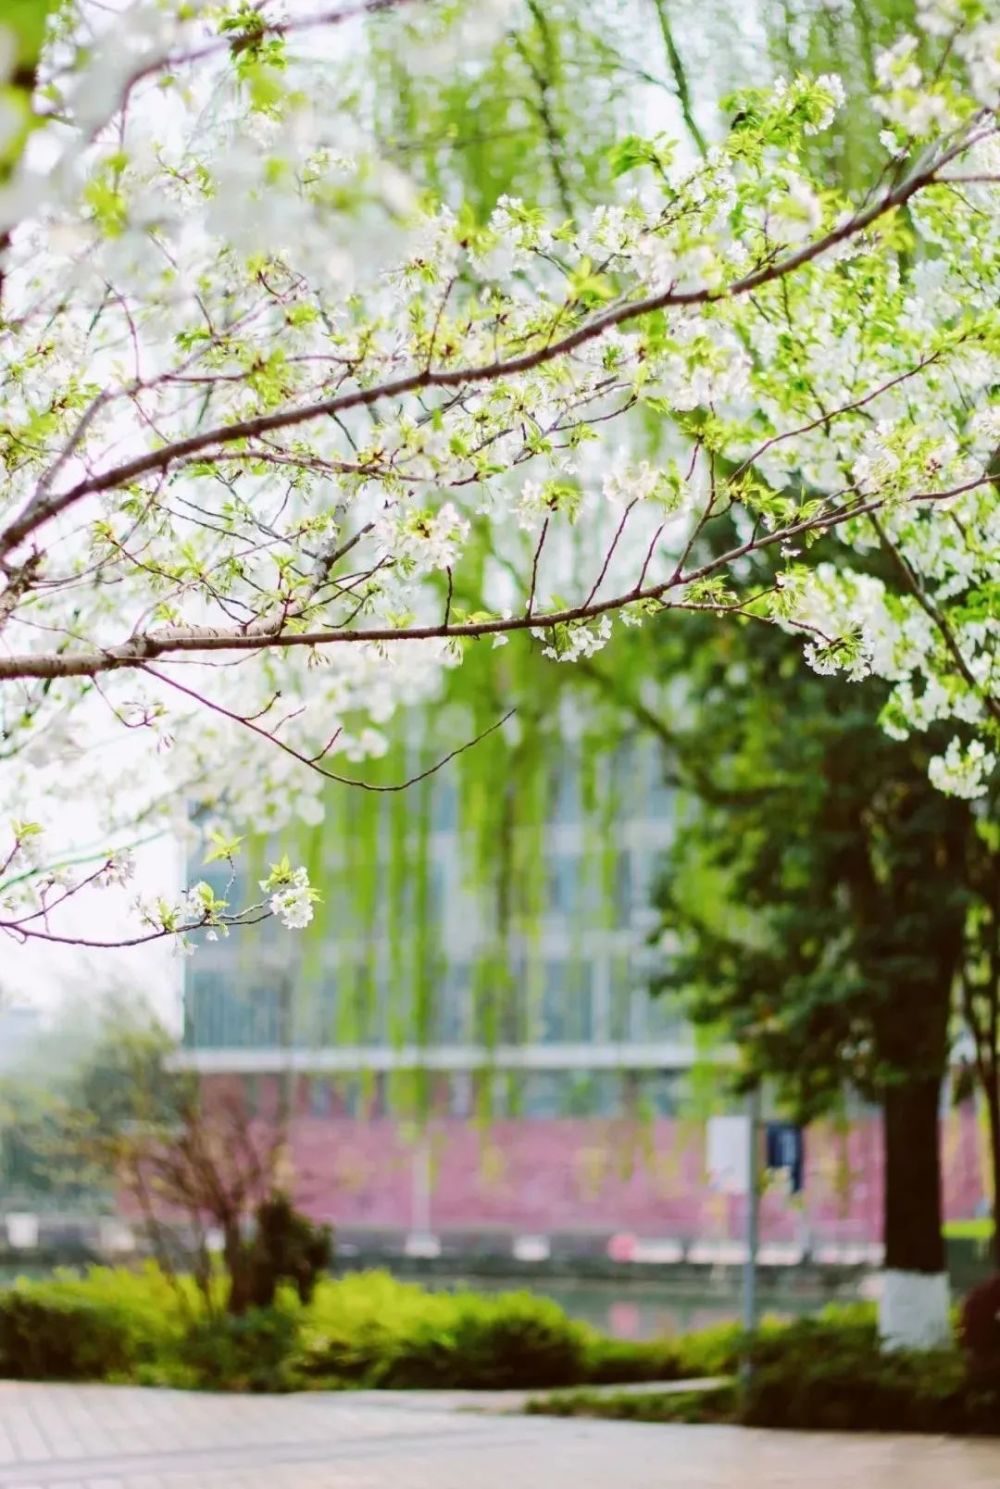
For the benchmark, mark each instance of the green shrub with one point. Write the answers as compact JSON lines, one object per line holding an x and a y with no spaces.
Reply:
{"x":370,"y":1329}
{"x":621,"y":1361}
{"x":251,"y":1351}
{"x":55,"y":1338}
{"x":492,"y":1343}
{"x":98,"y":1325}
{"x":716,"y":1405}
{"x":830,"y":1374}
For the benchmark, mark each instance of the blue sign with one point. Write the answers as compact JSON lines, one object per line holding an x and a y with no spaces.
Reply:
{"x":786,"y":1149}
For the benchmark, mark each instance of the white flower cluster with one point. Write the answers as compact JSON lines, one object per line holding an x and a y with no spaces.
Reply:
{"x":624,"y":484}
{"x":962,"y":771}
{"x":294,"y":903}
{"x":259,"y":393}
{"x":423,"y":541}
{"x":577,"y":639}
{"x":119,"y":870}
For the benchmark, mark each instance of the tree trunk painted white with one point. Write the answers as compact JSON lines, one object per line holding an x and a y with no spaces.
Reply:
{"x":913,"y":1310}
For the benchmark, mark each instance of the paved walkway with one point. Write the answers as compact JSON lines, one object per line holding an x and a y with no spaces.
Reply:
{"x":108,"y":1437}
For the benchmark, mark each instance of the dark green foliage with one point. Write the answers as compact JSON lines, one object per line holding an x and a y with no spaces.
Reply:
{"x":980,"y":1330}
{"x":253,"y":1351}
{"x":104,"y":1323}
{"x":820,"y":1374}
{"x":817,"y":895}
{"x":55,"y":1338}
{"x":65,"y":1112}
{"x":711,"y":1352}
{"x":286,"y":1247}
{"x":365,"y":1330}
{"x":619,"y":1361}
{"x":818,"y":1377}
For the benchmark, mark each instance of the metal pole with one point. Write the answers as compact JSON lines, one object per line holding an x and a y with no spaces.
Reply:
{"x":753,"y":1215}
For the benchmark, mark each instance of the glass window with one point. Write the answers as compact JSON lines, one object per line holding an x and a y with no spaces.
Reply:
{"x":659,"y":803}
{"x":661,"y":1016}
{"x":624,"y":765}
{"x":620,"y":1000}
{"x":563,"y":883}
{"x":663,"y":1092}
{"x":598,"y":1094}
{"x":564,"y":791}
{"x":452,"y":1005}
{"x":542,"y":1094}
{"x":624,"y":890}
{"x":567,"y":1011}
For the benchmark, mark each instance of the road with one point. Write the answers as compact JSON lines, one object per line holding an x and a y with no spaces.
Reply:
{"x":109,"y":1437}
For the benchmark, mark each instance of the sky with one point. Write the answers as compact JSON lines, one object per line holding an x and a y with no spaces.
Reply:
{"x":45,"y":975}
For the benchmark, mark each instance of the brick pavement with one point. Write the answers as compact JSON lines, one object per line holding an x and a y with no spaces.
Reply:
{"x":107,"y":1437}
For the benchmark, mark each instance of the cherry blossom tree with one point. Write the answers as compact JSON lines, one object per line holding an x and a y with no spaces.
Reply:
{"x":265,"y":406}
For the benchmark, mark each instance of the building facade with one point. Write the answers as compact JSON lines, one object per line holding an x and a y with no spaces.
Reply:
{"x":464,"y":1095}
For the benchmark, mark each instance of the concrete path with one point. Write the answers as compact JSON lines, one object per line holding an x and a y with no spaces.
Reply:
{"x":108,"y":1437}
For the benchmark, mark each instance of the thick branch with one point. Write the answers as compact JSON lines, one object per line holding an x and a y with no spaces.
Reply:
{"x":194,"y":639}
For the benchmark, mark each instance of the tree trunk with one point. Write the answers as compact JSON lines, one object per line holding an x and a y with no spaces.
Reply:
{"x":235,"y":1256}
{"x":914,"y":1307}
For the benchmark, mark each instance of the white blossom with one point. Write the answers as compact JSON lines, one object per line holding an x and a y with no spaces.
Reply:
{"x":962,"y":771}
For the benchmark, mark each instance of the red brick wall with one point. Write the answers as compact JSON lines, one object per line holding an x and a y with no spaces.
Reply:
{"x":586,"y":1174}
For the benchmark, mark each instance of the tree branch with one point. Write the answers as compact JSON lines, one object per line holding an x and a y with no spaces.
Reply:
{"x":927,"y":605}
{"x":42,"y":508}
{"x":193,"y":640}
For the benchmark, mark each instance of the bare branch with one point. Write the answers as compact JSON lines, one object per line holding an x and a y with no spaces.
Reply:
{"x":312,"y":761}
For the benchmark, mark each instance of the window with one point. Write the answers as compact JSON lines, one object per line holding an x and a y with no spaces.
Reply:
{"x":567,"y":1010}
{"x":659,"y":804}
{"x":541,"y":1093}
{"x":620,"y":1000}
{"x":624,"y":888}
{"x":460,"y":1094}
{"x":590,"y":1093}
{"x":452,"y":1005}
{"x":564,"y":792}
{"x":663,"y":1092}
{"x":563,"y":897}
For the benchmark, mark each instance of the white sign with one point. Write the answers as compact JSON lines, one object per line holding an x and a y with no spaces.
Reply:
{"x":22,"y":1231}
{"x":727,"y":1154}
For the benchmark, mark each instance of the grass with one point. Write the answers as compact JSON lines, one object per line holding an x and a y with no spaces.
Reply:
{"x":719,"y":1404}
{"x":969,"y":1230}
